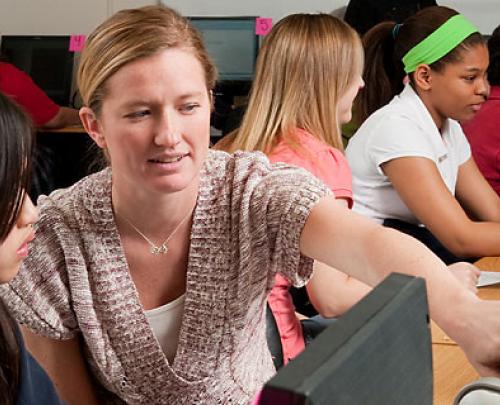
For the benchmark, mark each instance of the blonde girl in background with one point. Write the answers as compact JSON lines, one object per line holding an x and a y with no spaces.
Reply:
{"x":308,"y":72}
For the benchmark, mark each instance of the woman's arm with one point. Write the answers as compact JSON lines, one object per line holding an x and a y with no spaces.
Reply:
{"x":63,"y":362}
{"x":419,"y":184}
{"x":370,"y":252}
{"x":332,"y":292}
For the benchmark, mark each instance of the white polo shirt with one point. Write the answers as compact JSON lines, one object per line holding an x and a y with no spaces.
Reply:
{"x":402,"y":128}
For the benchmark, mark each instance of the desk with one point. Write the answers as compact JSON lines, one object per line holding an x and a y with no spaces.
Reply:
{"x":76,"y":129}
{"x":452,"y":370}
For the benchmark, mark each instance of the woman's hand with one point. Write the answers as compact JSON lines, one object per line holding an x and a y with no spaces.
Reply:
{"x":467,"y":274}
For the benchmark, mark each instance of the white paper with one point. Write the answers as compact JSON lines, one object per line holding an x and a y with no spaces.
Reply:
{"x":488,"y":278}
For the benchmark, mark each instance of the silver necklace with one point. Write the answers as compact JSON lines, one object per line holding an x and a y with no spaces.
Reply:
{"x":163,"y":248}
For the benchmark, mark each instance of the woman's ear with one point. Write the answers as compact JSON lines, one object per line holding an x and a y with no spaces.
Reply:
{"x":212,"y":100}
{"x":92,"y":126}
{"x":422,"y":77}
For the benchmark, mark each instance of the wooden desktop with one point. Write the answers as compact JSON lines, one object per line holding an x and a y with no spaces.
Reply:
{"x":452,"y":370}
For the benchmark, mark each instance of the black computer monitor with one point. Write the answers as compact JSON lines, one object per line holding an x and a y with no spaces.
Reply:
{"x":232,"y":44}
{"x":46,"y":59}
{"x":377,"y":353}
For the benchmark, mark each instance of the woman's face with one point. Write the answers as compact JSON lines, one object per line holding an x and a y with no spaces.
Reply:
{"x":344,"y":108}
{"x":15,"y":247}
{"x":155,"y":122}
{"x":459,"y":90}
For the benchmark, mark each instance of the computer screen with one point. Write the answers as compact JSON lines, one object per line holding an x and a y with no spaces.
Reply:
{"x":232,"y":44}
{"x":379,"y":352}
{"x":46,"y":59}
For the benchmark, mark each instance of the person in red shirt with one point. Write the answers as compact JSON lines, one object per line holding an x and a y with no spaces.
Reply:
{"x":43,"y":111}
{"x":482,"y":131}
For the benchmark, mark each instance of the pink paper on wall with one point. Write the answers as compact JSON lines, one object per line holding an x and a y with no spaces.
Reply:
{"x":76,"y":42}
{"x":263,"y":25}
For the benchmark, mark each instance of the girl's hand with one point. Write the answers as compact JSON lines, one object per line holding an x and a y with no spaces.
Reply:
{"x":467,"y":274}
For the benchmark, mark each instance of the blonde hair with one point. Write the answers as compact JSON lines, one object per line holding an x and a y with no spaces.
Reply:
{"x":130,"y":35}
{"x":305,"y":65}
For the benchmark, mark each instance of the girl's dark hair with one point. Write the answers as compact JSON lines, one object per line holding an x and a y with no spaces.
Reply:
{"x":494,"y":49}
{"x":9,"y":357}
{"x":16,"y":143}
{"x":385,"y":45}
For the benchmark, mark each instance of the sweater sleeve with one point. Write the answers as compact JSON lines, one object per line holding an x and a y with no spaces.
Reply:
{"x":276,"y":202}
{"x":38,"y":297}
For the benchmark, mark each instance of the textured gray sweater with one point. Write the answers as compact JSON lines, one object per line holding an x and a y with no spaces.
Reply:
{"x":246,"y":227}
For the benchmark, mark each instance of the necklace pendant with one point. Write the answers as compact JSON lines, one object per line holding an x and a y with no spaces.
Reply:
{"x":156,"y":250}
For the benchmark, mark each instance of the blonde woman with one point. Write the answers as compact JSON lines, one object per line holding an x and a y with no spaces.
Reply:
{"x":308,"y":73}
{"x":149,"y":279}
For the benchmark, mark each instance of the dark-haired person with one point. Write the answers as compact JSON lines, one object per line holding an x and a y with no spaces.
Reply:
{"x":483,"y":131}
{"x":22,"y":380}
{"x":365,"y":14}
{"x":411,"y":163}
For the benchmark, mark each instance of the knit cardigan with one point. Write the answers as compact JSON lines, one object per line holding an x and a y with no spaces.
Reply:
{"x":246,"y":226}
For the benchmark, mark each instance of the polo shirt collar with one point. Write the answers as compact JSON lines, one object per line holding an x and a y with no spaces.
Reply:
{"x":414,"y":105}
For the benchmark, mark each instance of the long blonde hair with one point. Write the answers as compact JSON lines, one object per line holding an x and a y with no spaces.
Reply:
{"x":305,"y":65}
{"x":130,"y":35}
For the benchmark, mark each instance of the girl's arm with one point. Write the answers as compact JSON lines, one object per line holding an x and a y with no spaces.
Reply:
{"x":370,"y":252}
{"x":64,"y":363}
{"x":419,"y":184}
{"x":475,"y":194}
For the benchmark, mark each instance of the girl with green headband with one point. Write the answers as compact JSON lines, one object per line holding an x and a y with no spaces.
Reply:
{"x":411,"y":163}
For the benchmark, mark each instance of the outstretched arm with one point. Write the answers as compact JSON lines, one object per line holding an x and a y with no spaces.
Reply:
{"x":369,"y":252}
{"x":63,"y":362}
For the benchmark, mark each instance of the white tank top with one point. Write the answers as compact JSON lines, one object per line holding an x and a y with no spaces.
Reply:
{"x":166,"y":324}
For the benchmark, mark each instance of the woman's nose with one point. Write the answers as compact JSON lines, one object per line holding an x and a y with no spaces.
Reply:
{"x":167,"y":133}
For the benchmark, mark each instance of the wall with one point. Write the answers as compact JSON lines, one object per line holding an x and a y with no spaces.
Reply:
{"x":58,"y":17}
{"x":63,"y":17}
{"x":484,"y":13}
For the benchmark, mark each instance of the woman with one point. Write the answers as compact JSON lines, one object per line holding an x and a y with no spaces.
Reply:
{"x":412,"y":166}
{"x":22,"y":380}
{"x":482,"y":131}
{"x":300,"y":95}
{"x":171,"y":224}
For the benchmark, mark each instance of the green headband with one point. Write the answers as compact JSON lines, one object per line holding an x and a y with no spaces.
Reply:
{"x":439,"y":43}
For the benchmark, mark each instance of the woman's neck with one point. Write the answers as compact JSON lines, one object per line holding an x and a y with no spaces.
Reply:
{"x":153,"y":211}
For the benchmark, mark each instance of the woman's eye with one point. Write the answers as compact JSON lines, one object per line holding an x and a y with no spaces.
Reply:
{"x":138,"y":114}
{"x":470,"y":78}
{"x":189,"y":108}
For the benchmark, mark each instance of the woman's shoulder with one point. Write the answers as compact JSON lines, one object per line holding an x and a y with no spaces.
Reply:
{"x":92,"y":189}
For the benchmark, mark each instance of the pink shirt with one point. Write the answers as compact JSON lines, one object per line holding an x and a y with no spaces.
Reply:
{"x":329,"y":165}
{"x":484,"y":138}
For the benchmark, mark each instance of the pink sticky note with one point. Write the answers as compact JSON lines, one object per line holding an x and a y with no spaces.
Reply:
{"x":263,"y":25}
{"x":76,"y":42}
